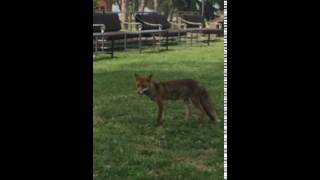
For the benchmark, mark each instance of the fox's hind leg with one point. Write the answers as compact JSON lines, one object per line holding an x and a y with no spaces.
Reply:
{"x":160,"y":113}
{"x":188,"y":109}
{"x":197,"y":104}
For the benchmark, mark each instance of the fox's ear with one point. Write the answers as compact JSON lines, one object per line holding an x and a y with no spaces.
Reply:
{"x":150,"y":76}
{"x":136,"y":75}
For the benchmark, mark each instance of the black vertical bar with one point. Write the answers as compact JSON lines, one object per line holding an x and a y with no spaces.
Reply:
{"x":112,"y":47}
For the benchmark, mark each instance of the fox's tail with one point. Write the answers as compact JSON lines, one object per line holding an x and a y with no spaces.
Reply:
{"x":207,"y":106}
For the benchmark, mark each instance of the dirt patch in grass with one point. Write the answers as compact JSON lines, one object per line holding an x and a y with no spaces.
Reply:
{"x":97,"y":120}
{"x":198,"y":162}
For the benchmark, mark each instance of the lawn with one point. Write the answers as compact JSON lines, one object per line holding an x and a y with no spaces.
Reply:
{"x":126,"y":143}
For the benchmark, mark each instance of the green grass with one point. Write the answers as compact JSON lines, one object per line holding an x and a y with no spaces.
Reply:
{"x":126,"y":143}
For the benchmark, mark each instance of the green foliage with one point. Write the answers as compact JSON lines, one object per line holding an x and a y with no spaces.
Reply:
{"x":95,"y":3}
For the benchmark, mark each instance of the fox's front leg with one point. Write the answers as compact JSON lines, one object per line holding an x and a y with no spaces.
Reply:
{"x":160,"y":112}
{"x":201,"y":111}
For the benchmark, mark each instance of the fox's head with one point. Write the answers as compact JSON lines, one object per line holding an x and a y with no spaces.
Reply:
{"x":143,"y":84}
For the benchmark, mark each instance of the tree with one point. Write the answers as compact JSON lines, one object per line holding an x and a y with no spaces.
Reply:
{"x":196,"y":5}
{"x":169,"y":7}
{"x":141,"y":6}
{"x":156,"y":5}
{"x":124,"y":11}
{"x":136,"y":5}
{"x":108,"y":5}
{"x":211,"y":10}
{"x":95,"y":3}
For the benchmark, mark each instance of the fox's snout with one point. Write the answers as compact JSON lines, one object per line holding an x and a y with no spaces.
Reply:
{"x":142,"y":91}
{"x":139,"y":93}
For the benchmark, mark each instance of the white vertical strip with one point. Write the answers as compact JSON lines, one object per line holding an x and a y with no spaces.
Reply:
{"x":225,"y":89}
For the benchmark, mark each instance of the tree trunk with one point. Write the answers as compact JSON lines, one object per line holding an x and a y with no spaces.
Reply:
{"x":136,"y":5}
{"x":142,"y":5}
{"x":156,"y":5}
{"x":171,"y":13}
{"x":108,"y":5}
{"x":171,"y":10}
{"x":124,"y":12}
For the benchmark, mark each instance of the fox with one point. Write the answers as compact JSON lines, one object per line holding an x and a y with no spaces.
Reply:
{"x":187,"y":90}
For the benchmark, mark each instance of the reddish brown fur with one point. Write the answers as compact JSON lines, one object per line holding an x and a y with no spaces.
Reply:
{"x":187,"y":90}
